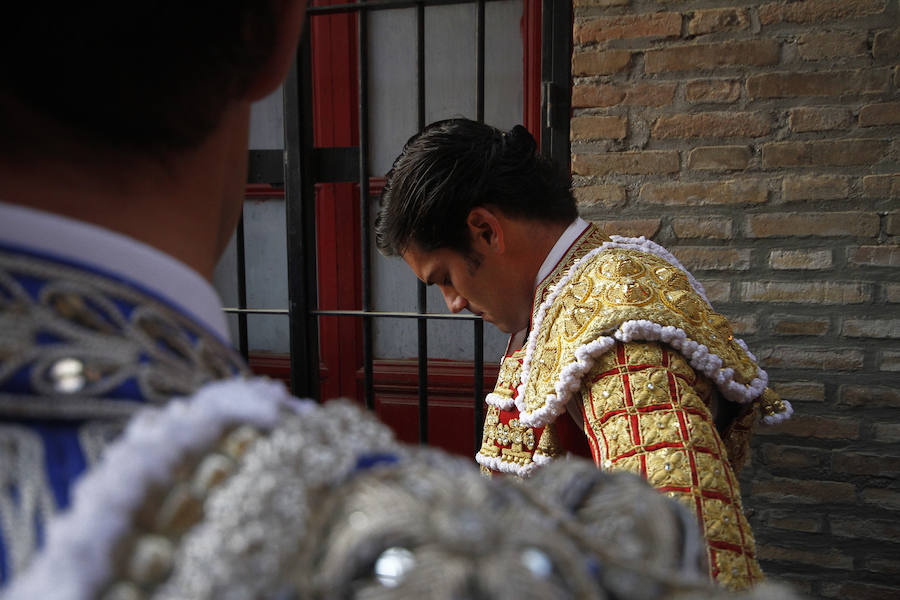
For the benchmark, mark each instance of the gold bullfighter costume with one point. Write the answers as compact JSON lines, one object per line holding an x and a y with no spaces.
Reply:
{"x":623,"y":338}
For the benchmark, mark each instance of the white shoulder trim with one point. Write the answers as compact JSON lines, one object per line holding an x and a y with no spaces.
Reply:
{"x":501,"y":402}
{"x":75,"y":558}
{"x":495,"y":463}
{"x":570,"y":377}
{"x":698,"y":355}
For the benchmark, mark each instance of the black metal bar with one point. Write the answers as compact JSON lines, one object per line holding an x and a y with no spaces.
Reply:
{"x":300,"y":221}
{"x":243,"y":345}
{"x":556,"y":51}
{"x":421,"y":291}
{"x":420,"y":64}
{"x":266,"y":166}
{"x":356,"y":313}
{"x":365,"y":247}
{"x":479,"y":61}
{"x":478,"y":332}
{"x":379,"y":5}
{"x":478,"y":329}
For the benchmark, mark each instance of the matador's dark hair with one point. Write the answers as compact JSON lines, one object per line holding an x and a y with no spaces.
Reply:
{"x":456,"y":165}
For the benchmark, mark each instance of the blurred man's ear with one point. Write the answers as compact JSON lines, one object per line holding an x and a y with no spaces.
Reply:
{"x":289,"y":26}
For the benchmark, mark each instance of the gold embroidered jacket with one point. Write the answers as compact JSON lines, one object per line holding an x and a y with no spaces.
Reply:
{"x":624,"y":336}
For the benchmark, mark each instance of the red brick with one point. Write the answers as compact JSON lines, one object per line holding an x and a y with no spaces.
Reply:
{"x":806,"y":292}
{"x":794,"y":457}
{"x":718,"y":19}
{"x":630,"y":227}
{"x":702,"y":258}
{"x":795,"y":188}
{"x":802,"y":491}
{"x":804,"y":391}
{"x":706,"y":227}
{"x":788,"y":357}
{"x":603,"y":3}
{"x":892,"y":292}
{"x":835,"y":153}
{"x":835,"y":44}
{"x":819,"y":119}
{"x":713,"y":124}
{"x":880,"y":565}
{"x":831,"y":559}
{"x":892,"y":224}
{"x":818,"y":11}
{"x":890,"y":361}
{"x":719,"y":158}
{"x":881,"y":186}
{"x":709,"y":56}
{"x":717,"y":290}
{"x":626,"y":163}
{"x":822,"y":428}
{"x":721,"y":91}
{"x":735,"y":191}
{"x":887,"y":432}
{"x":874,"y":256}
{"x":783,"y":325}
{"x":880,"y":497}
{"x":856,"y":463}
{"x":741,"y":324}
{"x":886,"y":45}
{"x":812,"y":224}
{"x":653,"y":25}
{"x":791,"y":521}
{"x":819,"y":84}
{"x":858,"y":591}
{"x":871,"y":328}
{"x":869,"y":396}
{"x":600,"y":63}
{"x":885,"y":113}
{"x":593,"y":127}
{"x":639,"y":94}
{"x":865,"y":529}
{"x":603,"y":196}
{"x":801,"y":259}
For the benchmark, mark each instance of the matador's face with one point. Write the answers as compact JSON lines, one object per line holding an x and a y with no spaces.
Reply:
{"x":480,"y":283}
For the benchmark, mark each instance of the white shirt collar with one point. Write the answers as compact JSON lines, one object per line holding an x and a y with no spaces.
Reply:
{"x":565,"y":241}
{"x":125,"y":258}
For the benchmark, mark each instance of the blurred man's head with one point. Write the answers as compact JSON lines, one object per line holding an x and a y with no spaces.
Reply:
{"x":471,"y":209}
{"x":134,"y":116}
{"x":149,"y":77}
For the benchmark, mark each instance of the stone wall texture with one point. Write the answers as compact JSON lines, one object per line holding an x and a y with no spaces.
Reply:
{"x":758,"y":142}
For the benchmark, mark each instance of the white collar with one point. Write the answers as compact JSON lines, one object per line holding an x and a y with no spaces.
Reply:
{"x":118,"y":255}
{"x":565,"y":241}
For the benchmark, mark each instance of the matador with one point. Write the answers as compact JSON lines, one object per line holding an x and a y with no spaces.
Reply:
{"x":608,"y":334}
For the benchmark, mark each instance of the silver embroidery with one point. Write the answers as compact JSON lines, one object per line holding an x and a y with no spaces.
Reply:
{"x":91,"y":345}
{"x":25,"y":495}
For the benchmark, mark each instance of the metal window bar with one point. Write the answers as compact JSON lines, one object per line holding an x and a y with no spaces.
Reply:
{"x":299,"y":179}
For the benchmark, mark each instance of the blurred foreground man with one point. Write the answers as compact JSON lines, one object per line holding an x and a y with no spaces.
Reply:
{"x":610,"y":332}
{"x":123,"y":149}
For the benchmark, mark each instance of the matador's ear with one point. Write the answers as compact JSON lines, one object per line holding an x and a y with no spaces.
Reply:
{"x":485,"y":230}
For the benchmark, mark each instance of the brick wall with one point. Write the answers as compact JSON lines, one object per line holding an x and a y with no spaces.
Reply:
{"x":758,"y":141}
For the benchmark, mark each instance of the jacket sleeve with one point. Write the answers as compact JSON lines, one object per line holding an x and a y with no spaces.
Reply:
{"x":647,"y":412}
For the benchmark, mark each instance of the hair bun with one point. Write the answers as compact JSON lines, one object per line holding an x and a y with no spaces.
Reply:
{"x":521,"y":140}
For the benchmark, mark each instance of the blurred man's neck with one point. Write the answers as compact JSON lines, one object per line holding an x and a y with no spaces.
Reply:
{"x":186,"y":206}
